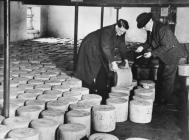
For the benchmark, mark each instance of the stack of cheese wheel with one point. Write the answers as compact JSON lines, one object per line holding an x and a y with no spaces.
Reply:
{"x":80,"y":116}
{"x":183,"y":70}
{"x":72,"y":94}
{"x":121,"y":108}
{"x":70,"y":100}
{"x":118,"y":95}
{"x":24,"y":134}
{"x":62,"y":88}
{"x":3,"y":131}
{"x":31,"y":112}
{"x":27,"y":96}
{"x":55,"y":115}
{"x":54,"y":92}
{"x":58,"y":105}
{"x":72,"y":131}
{"x":142,"y":92}
{"x":121,"y":89}
{"x":124,"y":77}
{"x":102,"y":136}
{"x":39,"y":103}
{"x":80,"y":106}
{"x":46,"y":97}
{"x":103,"y":118}
{"x":136,"y":139}
{"x":43,"y":87}
{"x":16,"y":122}
{"x":140,"y":111}
{"x":81,"y":90}
{"x":96,"y":99}
{"x":46,"y":127}
{"x":34,"y":91}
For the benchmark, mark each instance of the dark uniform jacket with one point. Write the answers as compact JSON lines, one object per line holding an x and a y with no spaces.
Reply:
{"x":165,"y":45}
{"x":92,"y":55}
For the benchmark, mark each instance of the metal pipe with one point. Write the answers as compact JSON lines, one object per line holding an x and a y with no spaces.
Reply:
{"x":117,"y":14}
{"x":6,"y":57}
{"x":75,"y":35}
{"x":102,"y":17}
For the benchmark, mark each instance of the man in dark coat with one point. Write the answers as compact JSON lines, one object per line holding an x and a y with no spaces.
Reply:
{"x":164,"y":46}
{"x":96,"y":56}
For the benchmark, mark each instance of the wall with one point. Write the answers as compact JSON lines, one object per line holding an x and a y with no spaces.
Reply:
{"x":18,"y":21}
{"x":182,"y":30}
{"x":61,"y":21}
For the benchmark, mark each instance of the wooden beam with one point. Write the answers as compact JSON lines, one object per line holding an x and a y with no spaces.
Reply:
{"x":122,"y":3}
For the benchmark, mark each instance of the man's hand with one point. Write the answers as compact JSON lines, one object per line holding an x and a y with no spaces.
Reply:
{"x":114,"y":66}
{"x":139,"y":49}
{"x":147,"y":55}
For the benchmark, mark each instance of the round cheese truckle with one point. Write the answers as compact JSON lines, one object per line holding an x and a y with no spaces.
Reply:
{"x":55,"y":115}
{"x":81,"y":90}
{"x":16,"y":122}
{"x":119,"y":95}
{"x":121,"y":89}
{"x":80,"y":106}
{"x":70,"y":100}
{"x":72,"y":94}
{"x":39,"y":103}
{"x":46,"y":127}
{"x":72,"y":131}
{"x":4,"y":131}
{"x":121,"y":108}
{"x":80,"y":116}
{"x":145,"y":92}
{"x":140,"y":111}
{"x":58,"y":105}
{"x":24,"y":134}
{"x":93,"y":98}
{"x":102,"y":136}
{"x":103,"y":118}
{"x":183,"y":70}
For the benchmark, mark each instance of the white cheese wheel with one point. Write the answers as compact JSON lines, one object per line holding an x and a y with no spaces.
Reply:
{"x":21,"y":80}
{"x":80,"y":116}
{"x":124,"y":77}
{"x":46,"y":128}
{"x":53,"y":82}
{"x":46,"y":97}
{"x":32,"y":112}
{"x":183,"y":70}
{"x":40,"y":103}
{"x":16,"y":122}
{"x":119,"y":95}
{"x":49,"y":65}
{"x":143,"y":98}
{"x":4,"y":131}
{"x":35,"y":82}
{"x":72,"y":131}
{"x":55,"y":70}
{"x":50,"y":74}
{"x":12,"y":109}
{"x":80,"y":106}
{"x":54,"y":92}
{"x":42,"y":77}
{"x":58,"y":105}
{"x":70,"y":100}
{"x":137,"y":139}
{"x":90,"y":103}
{"x":104,"y":118}
{"x":93,"y":98}
{"x":102,"y":136}
{"x":34,"y":91}
{"x":19,"y":102}
{"x":14,"y":83}
{"x":142,"y":109}
{"x":147,"y":83}
{"x":74,"y":83}
{"x":61,"y":78}
{"x":121,"y":89}
{"x":62,"y":88}
{"x":81,"y":90}
{"x":145,"y":92}
{"x":121,"y":108}
{"x":72,"y":94}
{"x":24,"y":134}
{"x":42,"y":87}
{"x":27,"y":75}
{"x":55,"y":115}
{"x":25,"y":86}
{"x":27,"y":96}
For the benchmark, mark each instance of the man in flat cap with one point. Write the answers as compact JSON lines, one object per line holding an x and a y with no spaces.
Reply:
{"x":164,"y":46}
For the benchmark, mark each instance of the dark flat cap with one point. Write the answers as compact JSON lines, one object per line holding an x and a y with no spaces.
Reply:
{"x":143,"y":19}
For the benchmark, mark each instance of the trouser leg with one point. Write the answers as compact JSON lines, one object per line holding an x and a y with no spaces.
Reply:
{"x":166,"y":79}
